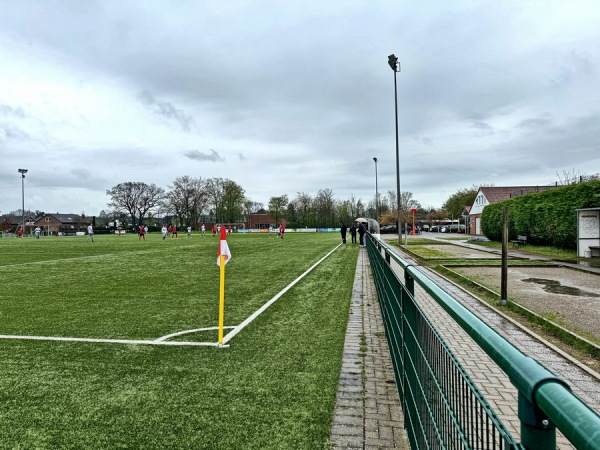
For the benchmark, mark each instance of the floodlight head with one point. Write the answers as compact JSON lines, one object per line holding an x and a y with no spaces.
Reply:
{"x":375,"y":159}
{"x":23,"y":171}
{"x":393,"y":62}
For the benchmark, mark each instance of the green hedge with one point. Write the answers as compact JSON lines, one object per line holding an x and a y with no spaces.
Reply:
{"x":546,"y":218}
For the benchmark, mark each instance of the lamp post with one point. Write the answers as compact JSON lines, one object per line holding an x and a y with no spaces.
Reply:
{"x":395,"y":65}
{"x":23,"y":172}
{"x":376,"y":193}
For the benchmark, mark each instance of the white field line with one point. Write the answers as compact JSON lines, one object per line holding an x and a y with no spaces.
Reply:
{"x":179,"y":333}
{"x":110,"y":341}
{"x":49,"y":261}
{"x":260,"y":310}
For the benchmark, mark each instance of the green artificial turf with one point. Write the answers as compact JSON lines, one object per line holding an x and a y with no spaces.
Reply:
{"x":274,"y":387}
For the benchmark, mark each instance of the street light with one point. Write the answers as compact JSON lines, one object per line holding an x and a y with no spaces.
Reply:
{"x":376,"y":193}
{"x":23,"y":172}
{"x":395,"y":65}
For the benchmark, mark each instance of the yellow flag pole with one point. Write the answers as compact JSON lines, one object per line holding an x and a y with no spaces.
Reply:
{"x":222,"y":299}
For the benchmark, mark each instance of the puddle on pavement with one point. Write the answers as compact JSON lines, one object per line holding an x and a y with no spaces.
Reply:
{"x":554,"y":287}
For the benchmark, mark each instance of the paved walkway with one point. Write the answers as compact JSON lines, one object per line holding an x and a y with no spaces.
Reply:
{"x":368,"y":414}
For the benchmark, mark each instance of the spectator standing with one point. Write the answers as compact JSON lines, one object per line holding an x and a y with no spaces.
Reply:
{"x":361,"y":233}
{"x":353,"y":233}
{"x":343,"y":232}
{"x":38,"y":231}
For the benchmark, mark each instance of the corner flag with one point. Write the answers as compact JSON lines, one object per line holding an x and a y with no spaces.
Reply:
{"x":223,"y":248}
{"x":223,"y":257}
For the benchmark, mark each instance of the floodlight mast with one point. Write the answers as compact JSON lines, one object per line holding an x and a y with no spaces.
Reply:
{"x":23,"y":172}
{"x":395,"y":65}
{"x":376,"y":193}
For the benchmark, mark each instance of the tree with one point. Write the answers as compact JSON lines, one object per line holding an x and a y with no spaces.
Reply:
{"x":343,"y":212}
{"x":457,"y":201}
{"x":214,"y":193}
{"x":325,"y":208}
{"x":187,"y":199}
{"x":231,"y":206}
{"x":277,"y":206}
{"x":136,"y":198}
{"x":407,"y":203}
{"x":303,"y":208}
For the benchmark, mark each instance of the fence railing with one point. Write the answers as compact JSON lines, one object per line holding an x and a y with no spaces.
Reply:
{"x":443,"y":408}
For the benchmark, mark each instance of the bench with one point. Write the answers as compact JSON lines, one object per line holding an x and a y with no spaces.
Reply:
{"x":521,"y":240}
{"x":595,"y":249}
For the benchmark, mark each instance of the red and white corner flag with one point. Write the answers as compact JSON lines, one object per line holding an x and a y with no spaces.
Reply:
{"x":223,"y":248}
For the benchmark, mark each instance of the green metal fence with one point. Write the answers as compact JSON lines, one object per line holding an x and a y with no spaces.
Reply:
{"x":443,"y":408}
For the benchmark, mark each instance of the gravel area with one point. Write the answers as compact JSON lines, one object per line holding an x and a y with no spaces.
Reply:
{"x":571,"y":295}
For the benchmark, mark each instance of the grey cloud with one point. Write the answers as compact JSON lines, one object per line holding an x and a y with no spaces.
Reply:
{"x":7,"y":111}
{"x":197,"y":155}
{"x":483,"y":129}
{"x":535,"y":123}
{"x":9,"y":132}
{"x":167,"y":110}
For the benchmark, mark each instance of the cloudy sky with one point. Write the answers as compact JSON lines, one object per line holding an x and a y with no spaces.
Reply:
{"x":294,"y":96}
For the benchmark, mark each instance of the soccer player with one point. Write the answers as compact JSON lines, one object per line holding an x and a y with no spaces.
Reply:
{"x":90,"y":232}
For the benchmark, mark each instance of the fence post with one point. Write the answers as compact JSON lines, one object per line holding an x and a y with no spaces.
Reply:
{"x":537,"y":432}
{"x":409,"y":281}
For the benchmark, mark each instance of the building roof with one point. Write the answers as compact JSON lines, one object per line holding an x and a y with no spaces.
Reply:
{"x":67,"y":218}
{"x":15,"y":220}
{"x":498,"y":194}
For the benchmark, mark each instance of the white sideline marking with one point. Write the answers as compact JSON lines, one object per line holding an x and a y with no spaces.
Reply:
{"x":260,"y":310}
{"x":110,"y":341}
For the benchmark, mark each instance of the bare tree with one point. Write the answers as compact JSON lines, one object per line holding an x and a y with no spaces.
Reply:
{"x":325,"y":208}
{"x":136,"y":198}
{"x":570,"y":177}
{"x":187,"y":198}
